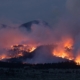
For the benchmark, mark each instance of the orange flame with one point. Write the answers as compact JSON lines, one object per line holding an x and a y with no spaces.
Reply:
{"x":4,"y":57}
{"x":19,"y":53}
{"x":32,"y":49}
{"x":77,"y":60}
{"x":64,"y":49}
{"x":24,"y":48}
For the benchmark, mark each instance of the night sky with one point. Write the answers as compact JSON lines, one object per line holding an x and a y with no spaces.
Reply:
{"x":27,"y":10}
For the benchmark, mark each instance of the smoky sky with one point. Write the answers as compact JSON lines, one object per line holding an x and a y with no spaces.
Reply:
{"x":27,"y":10}
{"x":65,"y":14}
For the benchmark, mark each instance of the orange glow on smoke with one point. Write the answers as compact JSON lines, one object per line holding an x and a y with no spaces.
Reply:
{"x":68,"y":43}
{"x":64,"y":48}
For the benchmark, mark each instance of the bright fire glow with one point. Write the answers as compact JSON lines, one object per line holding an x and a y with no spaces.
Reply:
{"x":17,"y":51}
{"x":4,"y":57}
{"x":32,"y":49}
{"x":64,"y":48}
{"x":77,"y":60}
{"x":24,"y":48}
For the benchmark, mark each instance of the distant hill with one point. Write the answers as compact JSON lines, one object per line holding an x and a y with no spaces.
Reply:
{"x":29,"y":24}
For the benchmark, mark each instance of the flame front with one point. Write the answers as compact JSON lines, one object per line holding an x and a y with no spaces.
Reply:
{"x":64,"y":49}
{"x":24,"y":48}
{"x":32,"y":49}
{"x":77,"y":60}
{"x":17,"y":51}
{"x":4,"y":57}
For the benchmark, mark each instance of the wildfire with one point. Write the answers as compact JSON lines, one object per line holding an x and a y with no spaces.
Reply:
{"x":23,"y":48}
{"x":4,"y":57}
{"x":77,"y":60}
{"x":17,"y":51}
{"x":64,"y":48}
{"x":32,"y":49}
{"x":63,"y":54}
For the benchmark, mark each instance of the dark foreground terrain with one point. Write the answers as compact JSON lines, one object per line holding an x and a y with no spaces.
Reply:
{"x":54,"y":71}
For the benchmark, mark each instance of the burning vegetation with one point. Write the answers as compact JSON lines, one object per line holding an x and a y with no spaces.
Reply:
{"x":40,"y":34}
{"x":65,"y":50}
{"x":17,"y":51}
{"x":62,"y":49}
{"x":23,"y":48}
